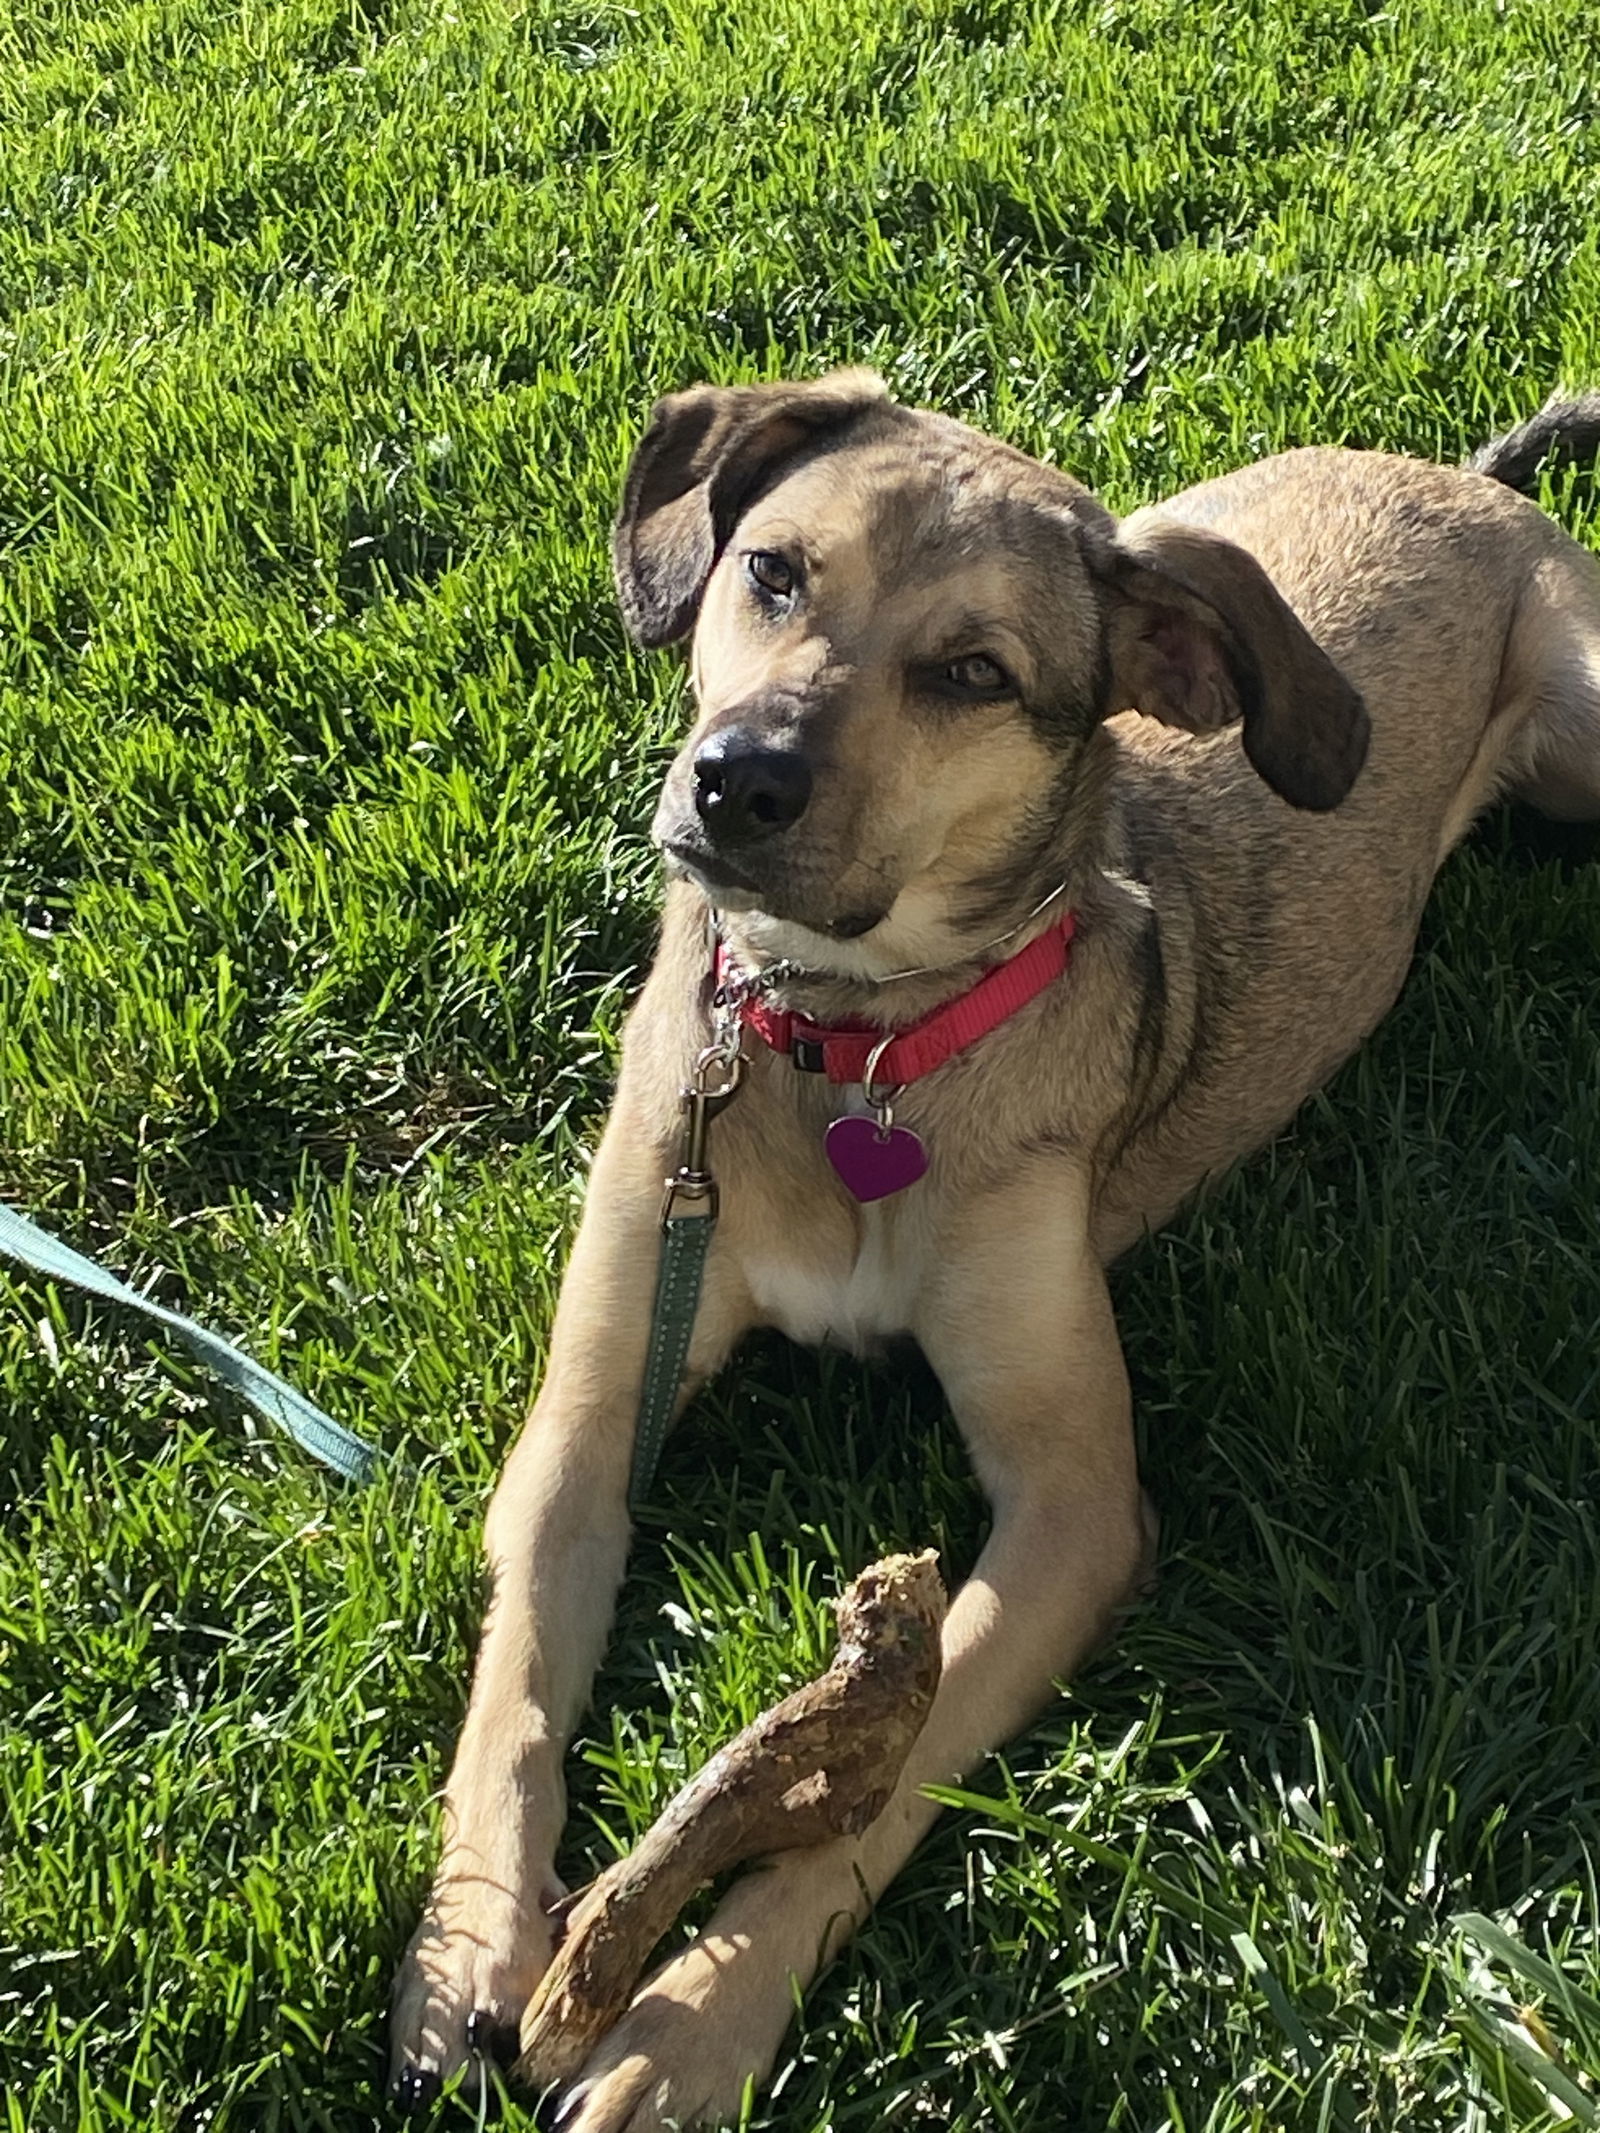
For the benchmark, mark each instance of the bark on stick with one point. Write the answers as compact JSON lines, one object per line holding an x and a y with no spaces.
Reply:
{"x":820,"y":1764}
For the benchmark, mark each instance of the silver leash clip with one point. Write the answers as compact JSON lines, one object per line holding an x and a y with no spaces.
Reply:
{"x":718,"y":1077}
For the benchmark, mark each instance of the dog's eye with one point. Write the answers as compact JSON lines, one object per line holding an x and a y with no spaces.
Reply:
{"x":976,"y":675}
{"x":770,"y":572}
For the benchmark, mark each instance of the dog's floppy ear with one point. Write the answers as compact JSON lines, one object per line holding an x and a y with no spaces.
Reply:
{"x":694,"y":467}
{"x":1198,"y":635}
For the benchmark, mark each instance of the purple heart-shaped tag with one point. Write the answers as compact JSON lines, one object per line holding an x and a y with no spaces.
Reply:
{"x":871,"y":1162}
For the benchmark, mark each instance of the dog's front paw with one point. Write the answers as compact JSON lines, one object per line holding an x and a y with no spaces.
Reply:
{"x":705,"y":2026}
{"x":463,"y":1983}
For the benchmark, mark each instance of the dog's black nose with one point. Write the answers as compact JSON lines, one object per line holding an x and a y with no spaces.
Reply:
{"x":743,"y":789}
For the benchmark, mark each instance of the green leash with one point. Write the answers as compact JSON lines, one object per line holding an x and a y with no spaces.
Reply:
{"x":688,"y":1218}
{"x":684,"y":1242}
{"x":267,"y":1393}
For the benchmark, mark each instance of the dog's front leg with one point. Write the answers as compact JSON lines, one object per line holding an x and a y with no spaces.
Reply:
{"x":1017,"y":1321}
{"x":555,"y":1536}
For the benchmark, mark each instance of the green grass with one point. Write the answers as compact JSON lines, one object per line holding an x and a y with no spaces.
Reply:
{"x":324,"y":770}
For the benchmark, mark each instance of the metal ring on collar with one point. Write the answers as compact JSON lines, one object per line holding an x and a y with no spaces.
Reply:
{"x":869,"y":1096}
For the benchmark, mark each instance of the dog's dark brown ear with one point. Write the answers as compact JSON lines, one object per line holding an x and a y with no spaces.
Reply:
{"x":702,"y":455}
{"x":1198,"y":635}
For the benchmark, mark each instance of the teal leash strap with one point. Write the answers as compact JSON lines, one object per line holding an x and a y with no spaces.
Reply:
{"x":684,"y":1240}
{"x":267,"y":1393}
{"x":688,"y":1218}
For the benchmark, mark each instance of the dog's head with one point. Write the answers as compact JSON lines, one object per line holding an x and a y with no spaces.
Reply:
{"x":905,"y":636}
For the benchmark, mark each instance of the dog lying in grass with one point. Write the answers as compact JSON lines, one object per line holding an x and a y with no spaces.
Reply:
{"x":1029,"y":868}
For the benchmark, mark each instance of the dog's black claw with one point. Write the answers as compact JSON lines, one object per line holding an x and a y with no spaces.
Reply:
{"x":499,"y":2041}
{"x":416,"y":2088}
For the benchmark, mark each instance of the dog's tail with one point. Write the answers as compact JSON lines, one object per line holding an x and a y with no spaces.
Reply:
{"x":1565,"y":428}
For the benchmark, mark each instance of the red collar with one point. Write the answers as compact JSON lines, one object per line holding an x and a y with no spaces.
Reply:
{"x":842,"y":1053}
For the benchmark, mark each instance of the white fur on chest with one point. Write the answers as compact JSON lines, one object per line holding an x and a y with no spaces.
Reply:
{"x":849,"y":1300}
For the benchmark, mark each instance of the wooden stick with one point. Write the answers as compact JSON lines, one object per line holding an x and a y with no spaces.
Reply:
{"x":820,"y":1764}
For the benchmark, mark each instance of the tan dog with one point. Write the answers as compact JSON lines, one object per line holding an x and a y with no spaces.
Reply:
{"x":943,"y":698}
